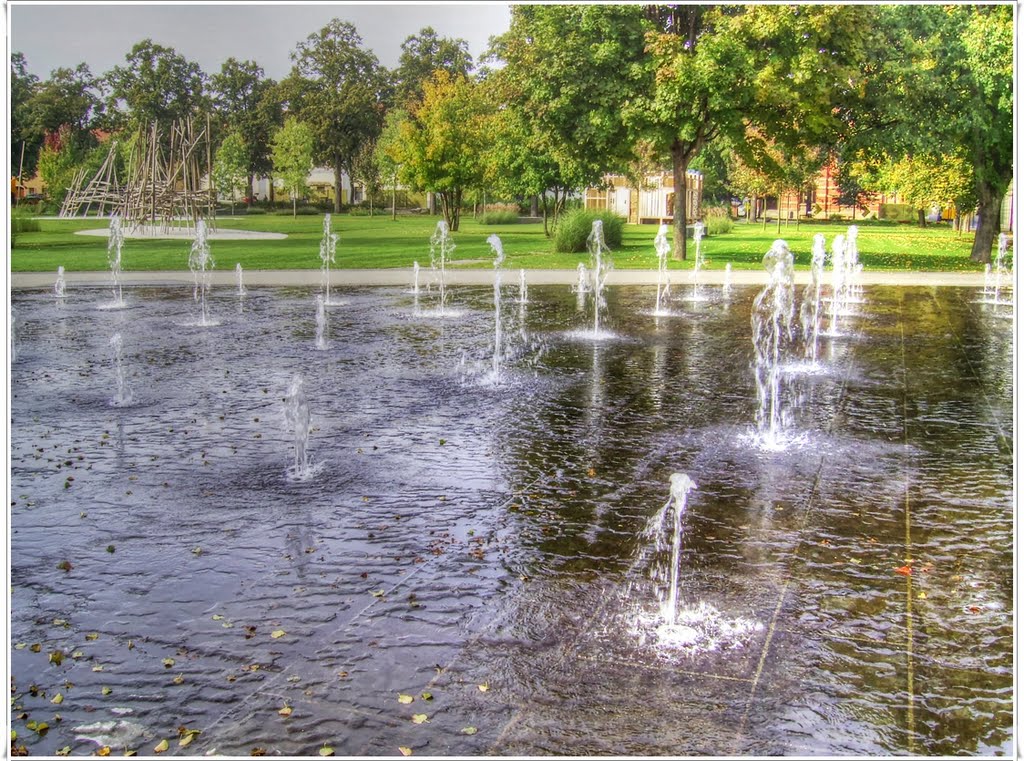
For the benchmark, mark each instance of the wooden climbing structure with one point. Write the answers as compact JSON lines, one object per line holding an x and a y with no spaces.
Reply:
{"x":163,"y":186}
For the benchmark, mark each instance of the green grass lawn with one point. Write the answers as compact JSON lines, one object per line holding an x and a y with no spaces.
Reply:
{"x":382,"y":242}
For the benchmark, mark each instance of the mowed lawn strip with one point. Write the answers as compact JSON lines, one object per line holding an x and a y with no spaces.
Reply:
{"x":380,"y":242}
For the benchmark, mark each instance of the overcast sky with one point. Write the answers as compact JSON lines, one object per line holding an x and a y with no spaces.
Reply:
{"x":51,"y":36}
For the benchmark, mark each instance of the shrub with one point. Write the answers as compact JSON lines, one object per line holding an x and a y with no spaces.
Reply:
{"x":22,"y":222}
{"x":574,"y":228}
{"x":499,"y":218}
{"x":717,"y":220}
{"x":897,"y":212}
{"x":257,"y":210}
{"x":301,"y":211}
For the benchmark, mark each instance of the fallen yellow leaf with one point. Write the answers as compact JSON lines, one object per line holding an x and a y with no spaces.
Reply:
{"x":286,"y":711}
{"x":104,"y":751}
{"x":419,"y":718}
{"x":327,"y":750}
{"x":161,"y":746}
{"x":404,"y":750}
{"x":405,"y":698}
{"x":483,"y":687}
{"x":278,"y":633}
{"x":58,"y":699}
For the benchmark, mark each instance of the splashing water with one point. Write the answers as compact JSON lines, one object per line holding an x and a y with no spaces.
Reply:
{"x":123,"y":396}
{"x":321,"y":322}
{"x":727,"y":281}
{"x":600,"y":260}
{"x":328,"y":246}
{"x":698,"y":258}
{"x":810,"y":308}
{"x":999,"y":270}
{"x":855,"y":290}
{"x":523,"y":293}
{"x":838,"y":303}
{"x":665,"y":529}
{"x":296,"y":415}
{"x":680,"y":628}
{"x":60,"y":287}
{"x":441,"y":248}
{"x":771,"y":322}
{"x":499,"y":257}
{"x":662,"y":248}
{"x":13,"y":338}
{"x":115,"y":242}
{"x":416,"y":278}
{"x":238,"y":279}
{"x":201,"y":264}
{"x":582,"y":286}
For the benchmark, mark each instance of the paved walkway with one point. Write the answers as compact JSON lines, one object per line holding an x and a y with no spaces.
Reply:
{"x":402,"y":276}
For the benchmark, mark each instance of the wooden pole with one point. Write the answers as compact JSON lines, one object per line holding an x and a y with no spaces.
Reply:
{"x":21,"y":166}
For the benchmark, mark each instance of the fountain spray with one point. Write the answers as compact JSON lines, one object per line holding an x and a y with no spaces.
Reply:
{"x":499,"y":257}
{"x":60,"y":287}
{"x":321,"y":322}
{"x":601,"y":265}
{"x":296,"y":415}
{"x":201,"y":263}
{"x":698,"y":257}
{"x":771,"y":320}
{"x":238,"y":279}
{"x":662,"y":247}
{"x":810,"y":308}
{"x":123,"y":395}
{"x":328,"y":245}
{"x":665,"y":529}
{"x":441,"y":248}
{"x":114,"y":244}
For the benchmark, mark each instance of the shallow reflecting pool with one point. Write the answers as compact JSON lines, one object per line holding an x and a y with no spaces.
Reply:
{"x":467,"y":570}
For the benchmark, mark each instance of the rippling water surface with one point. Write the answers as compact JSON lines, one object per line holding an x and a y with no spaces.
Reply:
{"x":477,"y":539}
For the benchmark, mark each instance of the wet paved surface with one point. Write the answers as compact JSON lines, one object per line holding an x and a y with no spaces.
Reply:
{"x":480,"y":541}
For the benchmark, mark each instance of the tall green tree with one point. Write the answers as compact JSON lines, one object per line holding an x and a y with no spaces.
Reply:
{"x":26,"y":137}
{"x":568,"y":70}
{"x":423,"y":54}
{"x":231,"y":167}
{"x":389,"y":153}
{"x":248,"y":104}
{"x":714,"y":72}
{"x":983,"y":124}
{"x":939,"y":79}
{"x":155,"y":84}
{"x":337,"y":91}
{"x":444,"y":140}
{"x":292,"y":152}
{"x":69,"y":96}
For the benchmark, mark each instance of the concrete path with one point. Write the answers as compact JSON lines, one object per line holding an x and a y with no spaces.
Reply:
{"x":402,"y":276}
{"x":159,"y":233}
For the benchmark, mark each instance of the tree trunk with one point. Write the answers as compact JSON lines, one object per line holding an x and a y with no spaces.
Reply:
{"x":270,"y":182}
{"x":295,"y":198}
{"x":680,"y":163}
{"x":431,"y":203}
{"x":547,"y":232}
{"x":778,"y":222}
{"x":989,"y":201}
{"x":533,"y":206}
{"x":921,"y":222}
{"x":337,"y":187}
{"x":248,"y":191}
{"x":394,"y":200}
